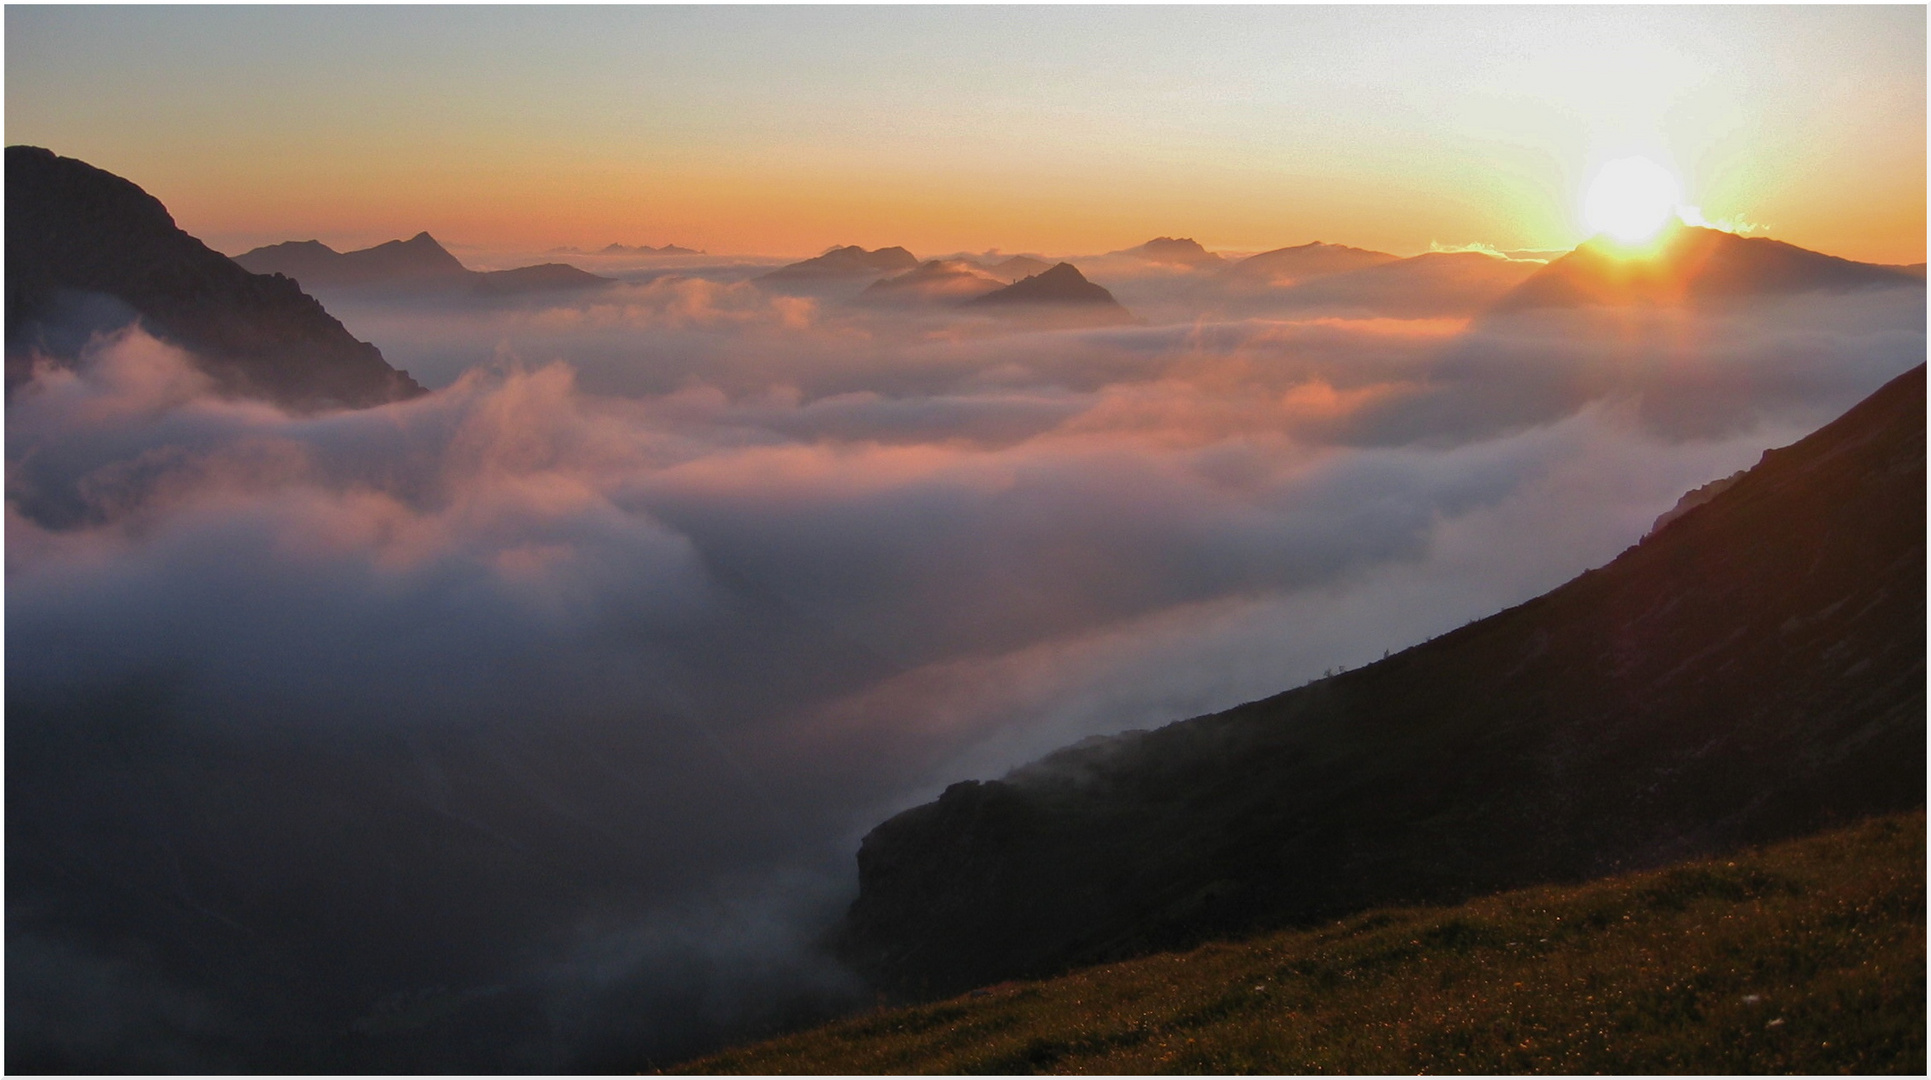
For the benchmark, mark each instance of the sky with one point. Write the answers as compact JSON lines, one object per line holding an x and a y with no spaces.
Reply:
{"x":1083,"y":129}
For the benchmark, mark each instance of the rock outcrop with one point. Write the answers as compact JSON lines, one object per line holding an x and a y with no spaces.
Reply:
{"x":1174,"y":251}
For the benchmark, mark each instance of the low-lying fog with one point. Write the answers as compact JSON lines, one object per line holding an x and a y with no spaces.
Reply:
{"x":533,"y":724}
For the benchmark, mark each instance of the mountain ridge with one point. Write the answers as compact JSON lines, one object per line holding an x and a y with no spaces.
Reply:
{"x":1060,"y":286}
{"x":1303,"y":262}
{"x":74,"y":231}
{"x":416,"y":262}
{"x":846,"y":262}
{"x":1691,"y":264}
{"x":1174,"y":251}
{"x":1688,"y":697}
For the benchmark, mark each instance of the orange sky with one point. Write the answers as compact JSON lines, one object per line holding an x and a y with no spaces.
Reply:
{"x":1062,"y":130}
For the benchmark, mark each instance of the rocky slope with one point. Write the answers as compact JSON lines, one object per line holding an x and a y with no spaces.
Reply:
{"x":1754,"y":670}
{"x":76,"y":234}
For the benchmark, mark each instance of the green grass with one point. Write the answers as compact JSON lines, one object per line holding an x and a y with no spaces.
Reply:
{"x":1806,"y":957}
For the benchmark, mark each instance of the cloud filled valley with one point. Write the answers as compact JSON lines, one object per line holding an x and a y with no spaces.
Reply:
{"x":532,"y":723}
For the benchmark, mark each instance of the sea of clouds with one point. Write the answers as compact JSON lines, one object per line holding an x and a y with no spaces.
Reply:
{"x":533,"y":723}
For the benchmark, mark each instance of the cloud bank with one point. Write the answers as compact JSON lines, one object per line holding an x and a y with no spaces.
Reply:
{"x":531,"y":724}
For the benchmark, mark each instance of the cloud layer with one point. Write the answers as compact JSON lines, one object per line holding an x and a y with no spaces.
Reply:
{"x":532,"y":723}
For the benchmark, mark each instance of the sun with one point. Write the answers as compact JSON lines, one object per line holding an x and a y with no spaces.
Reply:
{"x":1631,"y":199}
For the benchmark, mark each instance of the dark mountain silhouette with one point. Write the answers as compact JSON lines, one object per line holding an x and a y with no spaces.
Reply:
{"x":1697,"y":497}
{"x":848,"y":262}
{"x":646,"y":249}
{"x":1063,"y":286}
{"x":1693,"y":265}
{"x":416,"y":263}
{"x":75,"y":232}
{"x":1753,"y":670}
{"x":543,"y":277}
{"x":316,"y":265}
{"x":933,"y":281}
{"x":1177,"y":251}
{"x":1291,"y":265}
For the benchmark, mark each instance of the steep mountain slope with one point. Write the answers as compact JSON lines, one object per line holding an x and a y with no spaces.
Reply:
{"x":1804,"y":958}
{"x":1693,"y":265}
{"x":1754,"y":670}
{"x":74,"y":231}
{"x":418,"y":262}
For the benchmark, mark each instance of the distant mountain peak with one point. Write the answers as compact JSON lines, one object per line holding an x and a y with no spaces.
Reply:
{"x":1304,"y":262}
{"x":419,"y":262}
{"x":1690,"y":265}
{"x":1061,"y":286}
{"x":849,"y":261}
{"x":1182,"y":250}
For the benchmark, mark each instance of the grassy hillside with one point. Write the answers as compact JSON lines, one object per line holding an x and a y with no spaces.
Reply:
{"x":1806,"y":957}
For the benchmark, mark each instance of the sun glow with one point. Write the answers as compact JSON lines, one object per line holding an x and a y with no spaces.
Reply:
{"x":1631,"y":199}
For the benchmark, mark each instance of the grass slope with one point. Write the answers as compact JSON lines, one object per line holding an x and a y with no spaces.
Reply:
{"x":1805,"y":957}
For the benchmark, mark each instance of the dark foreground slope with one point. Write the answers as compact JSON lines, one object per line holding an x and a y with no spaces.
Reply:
{"x":1805,"y":958}
{"x":79,"y":238}
{"x":1755,"y":670}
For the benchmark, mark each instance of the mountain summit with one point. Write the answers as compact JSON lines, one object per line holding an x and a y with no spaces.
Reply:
{"x":1177,"y":251}
{"x":1290,"y":265}
{"x":317,"y":265}
{"x":74,"y":232}
{"x":1061,"y":286}
{"x":416,"y":263}
{"x":846,"y":262}
{"x":1693,"y":265}
{"x":1754,"y":669}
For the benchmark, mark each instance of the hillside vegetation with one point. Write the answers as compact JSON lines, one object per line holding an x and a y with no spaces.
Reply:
{"x":1805,"y":957}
